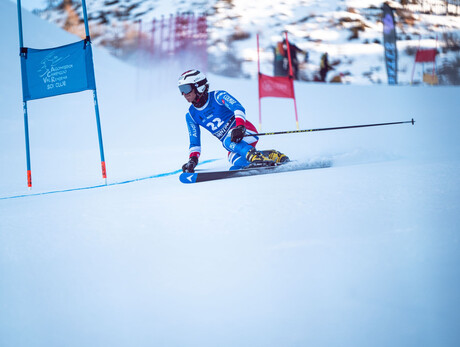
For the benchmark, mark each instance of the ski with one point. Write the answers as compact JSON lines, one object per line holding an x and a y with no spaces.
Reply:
{"x":203,"y":176}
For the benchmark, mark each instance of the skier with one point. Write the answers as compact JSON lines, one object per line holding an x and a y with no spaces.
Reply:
{"x":324,"y":66}
{"x":223,"y":116}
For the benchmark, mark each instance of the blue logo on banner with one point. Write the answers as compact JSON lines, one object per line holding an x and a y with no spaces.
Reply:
{"x":388,"y":24}
{"x":56,"y":71}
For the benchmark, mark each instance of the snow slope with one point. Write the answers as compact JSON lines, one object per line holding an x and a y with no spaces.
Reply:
{"x":363,"y":253}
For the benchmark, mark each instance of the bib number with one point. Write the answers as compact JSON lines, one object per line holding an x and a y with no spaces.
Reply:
{"x":215,"y":124}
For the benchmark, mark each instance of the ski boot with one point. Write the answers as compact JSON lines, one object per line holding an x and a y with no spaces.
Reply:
{"x":257,"y":159}
{"x":277,"y":157}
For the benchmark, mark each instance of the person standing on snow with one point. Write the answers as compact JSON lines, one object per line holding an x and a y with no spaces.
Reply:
{"x":224,"y":117}
{"x":282,"y":59}
{"x":324,"y":67}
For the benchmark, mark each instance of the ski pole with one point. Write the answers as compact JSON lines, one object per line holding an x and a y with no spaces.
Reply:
{"x":333,"y":128}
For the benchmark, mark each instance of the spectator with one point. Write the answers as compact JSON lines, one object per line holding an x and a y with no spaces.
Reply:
{"x":282,"y":59}
{"x":325,"y":67}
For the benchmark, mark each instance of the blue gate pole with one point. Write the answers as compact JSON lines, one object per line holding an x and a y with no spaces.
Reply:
{"x":26,"y":130}
{"x":85,"y":17}
{"x":99,"y":133}
{"x":96,"y":104}
{"x":24,"y":103}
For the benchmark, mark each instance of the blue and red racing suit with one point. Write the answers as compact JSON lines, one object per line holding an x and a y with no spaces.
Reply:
{"x":219,"y":115}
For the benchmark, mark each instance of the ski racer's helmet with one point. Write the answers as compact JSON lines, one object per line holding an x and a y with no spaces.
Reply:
{"x":193,"y":79}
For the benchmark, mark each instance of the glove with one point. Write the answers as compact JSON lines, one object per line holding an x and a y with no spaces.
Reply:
{"x":190,"y":165}
{"x":238,"y":133}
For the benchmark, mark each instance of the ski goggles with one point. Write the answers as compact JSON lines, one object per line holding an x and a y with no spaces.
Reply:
{"x":185,"y":88}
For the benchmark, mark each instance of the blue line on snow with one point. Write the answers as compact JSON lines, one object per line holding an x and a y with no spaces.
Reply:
{"x":102,"y":185}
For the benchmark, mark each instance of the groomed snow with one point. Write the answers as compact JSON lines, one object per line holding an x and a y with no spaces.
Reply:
{"x":364,"y":253}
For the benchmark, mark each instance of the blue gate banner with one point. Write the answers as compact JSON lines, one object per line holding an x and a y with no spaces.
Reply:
{"x":389,"y":41}
{"x":56,"y":71}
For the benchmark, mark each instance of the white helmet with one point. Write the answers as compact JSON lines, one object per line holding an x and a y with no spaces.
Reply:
{"x":193,"y":79}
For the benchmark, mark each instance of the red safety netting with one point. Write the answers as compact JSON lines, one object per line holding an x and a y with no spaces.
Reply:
{"x":179,"y":36}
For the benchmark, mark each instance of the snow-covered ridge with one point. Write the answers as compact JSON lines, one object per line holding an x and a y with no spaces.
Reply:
{"x":349,"y":30}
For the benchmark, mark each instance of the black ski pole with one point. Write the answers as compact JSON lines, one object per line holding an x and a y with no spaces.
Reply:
{"x":412,"y":121}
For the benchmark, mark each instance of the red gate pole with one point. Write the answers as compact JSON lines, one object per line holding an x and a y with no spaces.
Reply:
{"x":171,"y":36}
{"x":291,"y":78}
{"x":258,"y":82}
{"x":152,"y":40}
{"x":162,"y":34}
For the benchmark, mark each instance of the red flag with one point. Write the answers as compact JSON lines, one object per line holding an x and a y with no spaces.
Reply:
{"x":426,"y":55}
{"x":278,"y":87}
